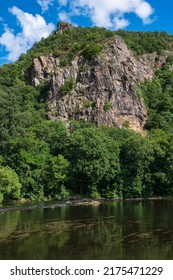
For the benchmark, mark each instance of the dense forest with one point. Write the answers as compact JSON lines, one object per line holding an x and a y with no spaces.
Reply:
{"x":44,"y":160}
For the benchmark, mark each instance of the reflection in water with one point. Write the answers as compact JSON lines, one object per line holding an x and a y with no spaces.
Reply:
{"x":112,"y":230}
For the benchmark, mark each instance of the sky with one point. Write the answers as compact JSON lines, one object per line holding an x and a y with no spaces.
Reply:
{"x":24,"y":22}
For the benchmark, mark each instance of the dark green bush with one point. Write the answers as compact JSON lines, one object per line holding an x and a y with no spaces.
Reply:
{"x":67,"y":87}
{"x":92,"y":50}
{"x":63,"y":62}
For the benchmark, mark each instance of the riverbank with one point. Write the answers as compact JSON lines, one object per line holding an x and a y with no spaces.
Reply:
{"x":29,"y":205}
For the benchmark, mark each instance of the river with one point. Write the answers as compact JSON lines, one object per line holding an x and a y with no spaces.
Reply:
{"x":111,"y":230}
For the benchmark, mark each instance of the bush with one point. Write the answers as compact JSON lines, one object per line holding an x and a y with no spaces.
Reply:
{"x":126,"y":124}
{"x":107,"y":106}
{"x":63,"y":62}
{"x":67,"y":87}
{"x":90,"y":104}
{"x":169,"y":60}
{"x":91,"y":50}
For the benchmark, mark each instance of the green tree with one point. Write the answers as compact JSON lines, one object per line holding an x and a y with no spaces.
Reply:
{"x":55,"y":175}
{"x":94,"y":159}
{"x":27,"y":155}
{"x":162,"y":168}
{"x":9,"y":184}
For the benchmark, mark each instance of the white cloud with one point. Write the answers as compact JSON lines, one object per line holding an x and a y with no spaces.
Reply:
{"x":33,"y":28}
{"x":13,"y":44}
{"x":120,"y":23}
{"x":63,"y":16}
{"x":63,"y":2}
{"x":143,"y":11}
{"x":45,"y":4}
{"x":111,"y":13}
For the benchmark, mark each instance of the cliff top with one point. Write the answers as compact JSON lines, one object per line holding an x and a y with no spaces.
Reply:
{"x":63,"y":26}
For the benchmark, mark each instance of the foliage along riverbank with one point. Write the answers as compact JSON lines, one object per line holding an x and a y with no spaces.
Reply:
{"x":88,"y":161}
{"x":44,"y":160}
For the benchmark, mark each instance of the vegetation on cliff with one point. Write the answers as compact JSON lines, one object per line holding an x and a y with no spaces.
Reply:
{"x":147,"y":42}
{"x":42,"y":159}
{"x":158,"y":96}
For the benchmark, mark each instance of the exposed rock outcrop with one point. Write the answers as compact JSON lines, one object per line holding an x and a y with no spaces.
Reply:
{"x":63,"y":26}
{"x":102,"y":91}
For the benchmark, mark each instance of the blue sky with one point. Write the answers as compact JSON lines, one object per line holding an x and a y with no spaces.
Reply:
{"x":22,"y":23}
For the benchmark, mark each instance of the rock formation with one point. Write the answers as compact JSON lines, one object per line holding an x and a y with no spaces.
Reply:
{"x":62,"y":26}
{"x":103,"y":90}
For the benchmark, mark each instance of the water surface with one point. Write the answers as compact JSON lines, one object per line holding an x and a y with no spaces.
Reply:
{"x":111,"y":230}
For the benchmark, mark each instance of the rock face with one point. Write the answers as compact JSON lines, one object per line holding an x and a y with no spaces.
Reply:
{"x":102,"y":90}
{"x":63,"y":26}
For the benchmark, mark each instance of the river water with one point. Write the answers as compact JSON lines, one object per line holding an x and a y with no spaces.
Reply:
{"x":110,"y":230}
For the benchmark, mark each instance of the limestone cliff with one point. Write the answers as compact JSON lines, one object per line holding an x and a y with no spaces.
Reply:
{"x":102,"y":90}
